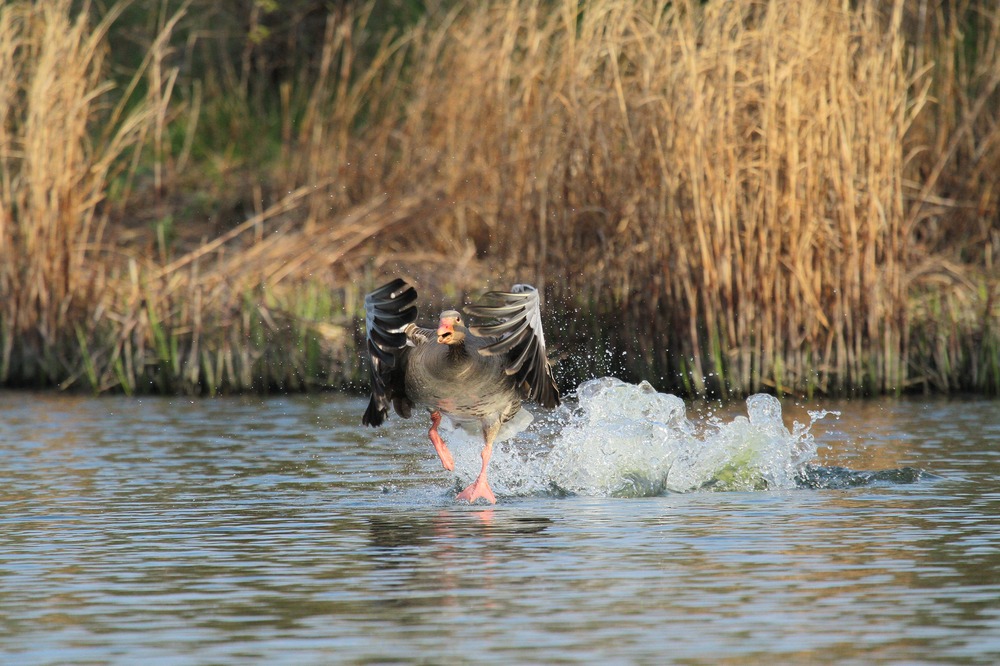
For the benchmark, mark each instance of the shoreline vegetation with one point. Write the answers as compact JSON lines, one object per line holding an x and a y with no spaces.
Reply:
{"x":797,"y":197}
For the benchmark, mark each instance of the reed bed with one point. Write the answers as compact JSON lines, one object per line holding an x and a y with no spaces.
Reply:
{"x":721,"y":198}
{"x":61,"y":145}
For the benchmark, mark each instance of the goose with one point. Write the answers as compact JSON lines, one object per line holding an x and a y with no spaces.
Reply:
{"x":473,"y":374}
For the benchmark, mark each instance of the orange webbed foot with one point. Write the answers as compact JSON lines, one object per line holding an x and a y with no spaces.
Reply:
{"x":475,"y":490}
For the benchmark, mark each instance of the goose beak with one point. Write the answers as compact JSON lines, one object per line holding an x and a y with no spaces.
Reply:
{"x":446,"y":331}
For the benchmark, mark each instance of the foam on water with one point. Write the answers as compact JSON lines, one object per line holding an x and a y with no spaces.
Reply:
{"x":622,"y":439}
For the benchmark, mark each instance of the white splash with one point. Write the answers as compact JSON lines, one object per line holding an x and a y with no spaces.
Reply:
{"x":624,"y":439}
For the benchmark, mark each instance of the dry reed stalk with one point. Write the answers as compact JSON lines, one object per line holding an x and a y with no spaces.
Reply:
{"x":956,"y":142}
{"x":55,"y":176}
{"x":721,"y":187}
{"x":733,"y":170}
{"x":953,"y":220}
{"x":729,"y":175}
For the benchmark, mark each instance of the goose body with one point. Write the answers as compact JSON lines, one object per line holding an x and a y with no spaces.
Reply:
{"x":473,"y":374}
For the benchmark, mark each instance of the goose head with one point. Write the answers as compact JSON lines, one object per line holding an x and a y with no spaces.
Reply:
{"x":451,"y":330}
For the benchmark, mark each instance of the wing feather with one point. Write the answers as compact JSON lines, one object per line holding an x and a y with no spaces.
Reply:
{"x":510,"y":336}
{"x":390,"y":312}
{"x":519,"y":338}
{"x":417,"y":335}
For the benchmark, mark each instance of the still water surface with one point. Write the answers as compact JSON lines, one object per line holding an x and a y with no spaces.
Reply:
{"x":248,"y":530}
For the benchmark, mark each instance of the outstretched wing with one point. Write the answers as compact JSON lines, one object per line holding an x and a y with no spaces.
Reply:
{"x":389,"y":311}
{"x":521,"y":340}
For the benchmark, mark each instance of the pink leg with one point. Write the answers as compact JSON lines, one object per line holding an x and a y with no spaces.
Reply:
{"x":442,"y":449}
{"x":481,"y":487}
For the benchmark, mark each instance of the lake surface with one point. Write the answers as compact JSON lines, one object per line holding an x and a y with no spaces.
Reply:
{"x":630,"y":528}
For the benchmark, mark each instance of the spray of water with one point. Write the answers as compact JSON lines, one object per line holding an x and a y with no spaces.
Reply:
{"x":620,"y":439}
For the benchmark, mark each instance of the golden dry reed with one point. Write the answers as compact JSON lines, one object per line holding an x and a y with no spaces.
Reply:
{"x":54,"y":176}
{"x":794,"y":196}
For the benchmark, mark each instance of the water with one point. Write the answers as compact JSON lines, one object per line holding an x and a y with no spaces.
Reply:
{"x":631,"y":528}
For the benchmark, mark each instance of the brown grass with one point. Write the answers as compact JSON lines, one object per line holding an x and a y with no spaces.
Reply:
{"x":731,"y":176}
{"x":55,"y":177}
{"x":739,"y":195}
